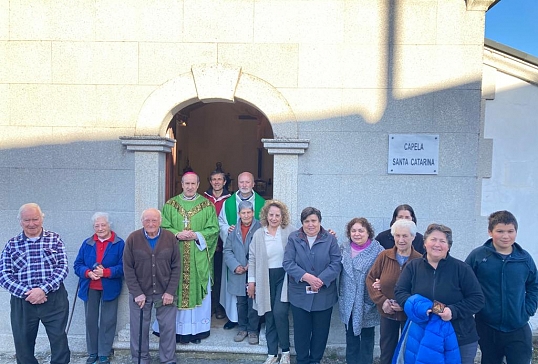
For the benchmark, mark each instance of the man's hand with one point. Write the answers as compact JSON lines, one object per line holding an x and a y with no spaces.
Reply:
{"x":141,"y":300}
{"x":231,"y":228}
{"x":186,"y":235}
{"x":36,"y":296}
{"x":167,"y":299}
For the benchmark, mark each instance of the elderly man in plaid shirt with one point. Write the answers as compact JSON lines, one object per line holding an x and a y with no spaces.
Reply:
{"x":33,"y":266}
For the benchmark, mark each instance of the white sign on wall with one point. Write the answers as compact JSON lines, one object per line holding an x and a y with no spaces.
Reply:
{"x":413,"y":154}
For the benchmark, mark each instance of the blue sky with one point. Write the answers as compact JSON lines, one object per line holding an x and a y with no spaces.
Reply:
{"x":515,"y":24}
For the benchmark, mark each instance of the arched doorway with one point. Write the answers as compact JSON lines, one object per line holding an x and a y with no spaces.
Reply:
{"x":211,"y":83}
{"x":218,"y":132}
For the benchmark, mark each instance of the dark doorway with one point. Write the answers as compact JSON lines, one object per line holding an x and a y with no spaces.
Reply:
{"x":230,"y":134}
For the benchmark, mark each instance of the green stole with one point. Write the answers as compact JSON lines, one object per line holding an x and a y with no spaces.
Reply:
{"x":230,"y":207}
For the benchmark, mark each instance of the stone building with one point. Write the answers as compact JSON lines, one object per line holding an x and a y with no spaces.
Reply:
{"x":304,"y":94}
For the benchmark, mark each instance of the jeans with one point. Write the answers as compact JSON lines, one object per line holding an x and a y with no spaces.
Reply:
{"x":248,"y":318}
{"x":468,"y":353}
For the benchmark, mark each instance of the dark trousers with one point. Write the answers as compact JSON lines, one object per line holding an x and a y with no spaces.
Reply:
{"x":360,"y":348}
{"x":389,"y":334}
{"x":101,"y":318}
{"x":247,"y":317}
{"x":311,"y":330}
{"x":217,"y":277}
{"x":25,"y":319}
{"x":277,"y":324}
{"x":468,"y":352}
{"x":516,"y":345}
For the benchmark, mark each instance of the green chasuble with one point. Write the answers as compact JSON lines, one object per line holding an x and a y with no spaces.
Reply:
{"x":199,"y":216}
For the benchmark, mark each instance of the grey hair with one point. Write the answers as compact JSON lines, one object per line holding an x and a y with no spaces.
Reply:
{"x":402,"y":223}
{"x":29,"y":205}
{"x":244,"y":205}
{"x":151,"y":208}
{"x":101,"y":214}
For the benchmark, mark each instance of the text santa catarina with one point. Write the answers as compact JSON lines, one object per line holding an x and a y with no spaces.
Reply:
{"x":413,"y":154}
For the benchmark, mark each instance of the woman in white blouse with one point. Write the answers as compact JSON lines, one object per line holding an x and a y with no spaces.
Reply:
{"x":267,"y":281}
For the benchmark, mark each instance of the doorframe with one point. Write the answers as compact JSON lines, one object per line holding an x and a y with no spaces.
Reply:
{"x":212,"y":83}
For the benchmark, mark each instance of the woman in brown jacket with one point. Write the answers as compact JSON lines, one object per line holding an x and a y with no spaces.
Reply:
{"x":380,"y":283}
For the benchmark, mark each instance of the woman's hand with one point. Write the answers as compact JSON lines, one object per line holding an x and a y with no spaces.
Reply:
{"x":313,"y":281}
{"x":98,"y":271}
{"x":377,"y":284}
{"x":395,"y":306}
{"x":251,"y":290}
{"x":446,"y":315}
{"x":387,"y":307}
{"x":240,"y":270}
{"x":93,"y":276}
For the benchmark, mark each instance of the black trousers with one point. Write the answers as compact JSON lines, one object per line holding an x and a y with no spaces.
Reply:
{"x":359,"y":348}
{"x":277,"y":324}
{"x":389,"y":334}
{"x":516,"y":345}
{"x":310,"y":332}
{"x":25,"y":319}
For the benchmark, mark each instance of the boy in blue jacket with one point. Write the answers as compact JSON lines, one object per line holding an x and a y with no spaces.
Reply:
{"x":509,"y":280}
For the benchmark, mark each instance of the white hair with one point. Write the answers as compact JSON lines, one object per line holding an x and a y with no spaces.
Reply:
{"x":402,"y":223}
{"x":103,"y":215}
{"x":151,"y":208}
{"x":29,"y":205}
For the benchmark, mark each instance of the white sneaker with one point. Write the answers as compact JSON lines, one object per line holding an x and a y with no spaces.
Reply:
{"x":271,"y":359}
{"x":285,"y":358}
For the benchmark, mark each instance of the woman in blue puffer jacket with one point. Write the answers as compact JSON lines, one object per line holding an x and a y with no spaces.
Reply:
{"x":426,"y":337}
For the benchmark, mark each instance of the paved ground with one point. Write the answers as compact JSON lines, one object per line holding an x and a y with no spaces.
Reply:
{"x":183,"y":358}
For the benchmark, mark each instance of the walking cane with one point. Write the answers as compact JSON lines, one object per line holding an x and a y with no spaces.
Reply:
{"x":140,"y":335}
{"x":72,"y":309}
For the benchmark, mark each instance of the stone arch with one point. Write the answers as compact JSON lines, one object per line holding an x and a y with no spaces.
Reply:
{"x":212,"y":83}
{"x":215,"y":83}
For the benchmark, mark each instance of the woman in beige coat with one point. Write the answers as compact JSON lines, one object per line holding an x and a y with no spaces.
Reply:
{"x":267,"y":281}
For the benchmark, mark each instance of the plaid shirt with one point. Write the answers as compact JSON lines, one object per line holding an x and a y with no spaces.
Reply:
{"x":25,"y":264}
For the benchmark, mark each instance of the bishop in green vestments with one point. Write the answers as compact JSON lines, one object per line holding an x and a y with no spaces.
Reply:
{"x":193,"y":220}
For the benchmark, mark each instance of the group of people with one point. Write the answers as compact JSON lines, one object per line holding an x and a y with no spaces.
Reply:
{"x":430,"y":306}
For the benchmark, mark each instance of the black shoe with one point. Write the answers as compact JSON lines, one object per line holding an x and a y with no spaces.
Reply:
{"x":219,"y":314}
{"x":196,"y":341}
{"x":92,"y":359}
{"x":230,"y":325}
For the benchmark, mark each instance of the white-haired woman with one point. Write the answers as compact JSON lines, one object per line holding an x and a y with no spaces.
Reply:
{"x":99,"y":266}
{"x":380,"y":283}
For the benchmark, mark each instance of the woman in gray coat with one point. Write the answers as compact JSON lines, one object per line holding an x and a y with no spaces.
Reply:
{"x":312,"y":261}
{"x":357,"y":310}
{"x":235,"y":255}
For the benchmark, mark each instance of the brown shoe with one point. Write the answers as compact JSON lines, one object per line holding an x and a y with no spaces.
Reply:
{"x":253,"y":338}
{"x":240,"y":336}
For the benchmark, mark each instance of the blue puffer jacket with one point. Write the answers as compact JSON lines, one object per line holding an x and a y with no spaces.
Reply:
{"x":428,"y":339}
